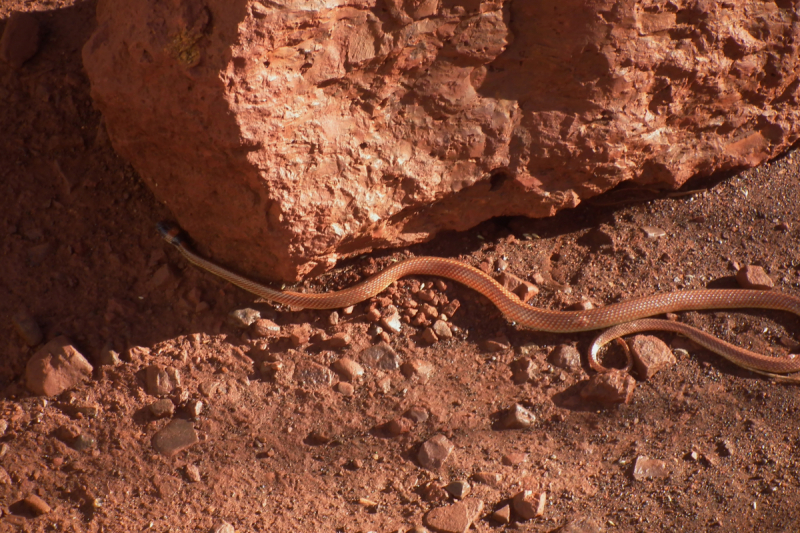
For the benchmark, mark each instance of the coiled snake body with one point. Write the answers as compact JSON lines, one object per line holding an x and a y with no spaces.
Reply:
{"x":623,"y":318}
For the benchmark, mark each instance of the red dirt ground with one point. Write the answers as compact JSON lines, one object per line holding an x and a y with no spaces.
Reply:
{"x":80,"y":254}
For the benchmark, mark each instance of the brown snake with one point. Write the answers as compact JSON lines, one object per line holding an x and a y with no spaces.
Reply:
{"x":626,"y":317}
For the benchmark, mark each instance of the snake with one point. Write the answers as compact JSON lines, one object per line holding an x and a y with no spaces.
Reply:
{"x":623,"y":318}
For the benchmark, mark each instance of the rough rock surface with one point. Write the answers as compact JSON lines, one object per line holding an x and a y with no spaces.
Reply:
{"x":56,"y":367}
{"x":286,"y":135}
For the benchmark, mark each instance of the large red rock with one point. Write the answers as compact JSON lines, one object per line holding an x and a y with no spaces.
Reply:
{"x":285,"y":135}
{"x":55,"y":367}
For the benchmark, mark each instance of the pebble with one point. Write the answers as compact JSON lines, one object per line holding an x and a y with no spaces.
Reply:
{"x":399,"y":426}
{"x":565,"y":356}
{"x":222,"y":527}
{"x":333,"y":318}
{"x":56,"y":367}
{"x":434,"y":452}
{"x":37,"y":505}
{"x":650,"y":355}
{"x":493,"y":479}
{"x":529,"y":504}
{"x":158,"y":381}
{"x":109,"y":357}
{"x":517,"y":418}
{"x":442,"y":329}
{"x":27,"y":328}
{"x":300,"y":335}
{"x":726,"y":448}
{"x":754,"y":277}
{"x":373,"y":315}
{"x":162,"y":408}
{"x":264,"y":327}
{"x":494,"y":346}
{"x":454,"y":518}
{"x":309,"y":373}
{"x":392,"y":322}
{"x":339,"y":340}
{"x":20,"y":40}
{"x":5,"y":479}
{"x":526,"y":290}
{"x":580,"y":524}
{"x":194,"y":408}
{"x":417,"y":414}
{"x":3,"y":426}
{"x":646,"y":468}
{"x":432,"y":492}
{"x":458,"y":489}
{"x":652,"y":232}
{"x":502,"y":515}
{"x":609,"y":388}
{"x":84,"y":442}
{"x":349,"y":309}
{"x":345,"y":389}
{"x":429,"y":336}
{"x":243,"y":318}
{"x":451,"y":308}
{"x":192,"y":473}
{"x":523,"y":370}
{"x":175,"y":437}
{"x":348,"y":369}
{"x":384,"y":384}
{"x":381,"y":356}
{"x":417,"y":368}
{"x":513,"y":458}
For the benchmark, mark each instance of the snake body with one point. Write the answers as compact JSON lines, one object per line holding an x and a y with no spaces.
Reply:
{"x":626,"y":317}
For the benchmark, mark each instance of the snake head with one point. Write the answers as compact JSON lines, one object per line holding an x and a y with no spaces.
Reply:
{"x":170,"y":232}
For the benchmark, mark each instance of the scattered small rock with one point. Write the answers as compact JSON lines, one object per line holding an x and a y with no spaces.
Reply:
{"x":652,"y":232}
{"x":158,"y":381}
{"x":517,"y":418}
{"x":339,"y":340}
{"x":392,"y":322}
{"x":222,"y":527}
{"x":263,"y":327}
{"x":309,"y":373}
{"x":243,"y":318}
{"x":373,"y":315}
{"x":513,"y":458}
{"x":37,"y":505}
{"x":455,"y":518}
{"x":399,"y":426}
{"x":175,"y":437}
{"x":381,"y":356}
{"x":192,"y":473}
{"x":5,"y":478}
{"x":194,"y":408}
{"x":3,"y":426}
{"x":345,"y":389}
{"x":109,"y":357}
{"x":609,"y":388}
{"x":84,"y":442}
{"x":162,"y":408}
{"x":580,"y":524}
{"x":20,"y":40}
{"x":502,"y":515}
{"x":565,"y":356}
{"x":754,"y":277}
{"x":650,"y":355}
{"x":529,"y":504}
{"x":56,"y":367}
{"x":493,"y":479}
{"x":726,"y":448}
{"x":523,"y":370}
{"x":348,"y":369}
{"x":458,"y":489}
{"x":417,"y":414}
{"x":300,"y":335}
{"x":417,"y":368}
{"x":435,"y":452}
{"x":429,"y":336}
{"x":442,"y":329}
{"x":494,"y":346}
{"x":27,"y":328}
{"x":646,"y":468}
{"x":451,"y":308}
{"x":333,"y":318}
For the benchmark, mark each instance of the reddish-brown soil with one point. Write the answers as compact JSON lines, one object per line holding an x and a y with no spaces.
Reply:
{"x":80,"y":253}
